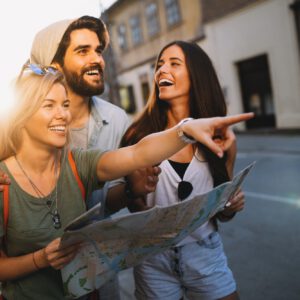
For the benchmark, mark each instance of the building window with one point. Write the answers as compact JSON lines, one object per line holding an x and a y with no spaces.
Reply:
{"x":122,"y":37}
{"x":136,"y":30}
{"x":152,"y":19}
{"x":173,"y":12}
{"x":127,"y":99}
{"x":145,"y":91}
{"x":145,"y":87}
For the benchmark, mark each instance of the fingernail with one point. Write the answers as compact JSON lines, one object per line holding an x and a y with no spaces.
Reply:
{"x":220,"y":154}
{"x":227,"y":204}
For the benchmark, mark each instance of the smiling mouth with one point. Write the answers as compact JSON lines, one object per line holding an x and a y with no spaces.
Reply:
{"x":94,"y":71}
{"x":165,"y":82}
{"x":58,"y":128}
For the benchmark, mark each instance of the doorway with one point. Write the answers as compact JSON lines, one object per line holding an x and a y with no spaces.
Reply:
{"x":255,"y":82}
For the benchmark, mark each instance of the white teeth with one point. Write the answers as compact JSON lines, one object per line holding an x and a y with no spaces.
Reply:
{"x":165,"y":82}
{"x":92,"y":72}
{"x":58,"y":128}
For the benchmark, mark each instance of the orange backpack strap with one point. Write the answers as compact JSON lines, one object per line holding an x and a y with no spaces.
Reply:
{"x":75,"y":172}
{"x":5,"y":206}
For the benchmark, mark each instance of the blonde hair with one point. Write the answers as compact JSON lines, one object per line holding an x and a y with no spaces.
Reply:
{"x":30,"y":91}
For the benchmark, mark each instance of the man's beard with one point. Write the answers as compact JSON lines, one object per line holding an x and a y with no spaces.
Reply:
{"x":79,"y":85}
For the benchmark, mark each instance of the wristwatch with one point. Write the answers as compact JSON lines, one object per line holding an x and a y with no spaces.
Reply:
{"x":182,"y":135}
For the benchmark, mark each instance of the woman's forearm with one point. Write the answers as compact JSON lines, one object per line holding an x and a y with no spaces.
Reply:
{"x":157,"y":147}
{"x":14,"y":267}
{"x":149,"y":151}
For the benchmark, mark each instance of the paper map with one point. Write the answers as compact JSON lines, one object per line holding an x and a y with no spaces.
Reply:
{"x":112,"y":245}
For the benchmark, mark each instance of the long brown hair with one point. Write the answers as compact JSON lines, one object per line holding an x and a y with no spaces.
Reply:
{"x":206,"y":100}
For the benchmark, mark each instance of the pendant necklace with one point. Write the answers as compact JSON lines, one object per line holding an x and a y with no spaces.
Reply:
{"x":55,"y":214}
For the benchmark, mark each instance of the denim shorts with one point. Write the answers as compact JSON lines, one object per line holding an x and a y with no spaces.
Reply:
{"x":197,"y":270}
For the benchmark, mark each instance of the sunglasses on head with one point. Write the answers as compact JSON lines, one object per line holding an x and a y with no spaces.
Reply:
{"x":39,"y":69}
{"x":184,"y":189}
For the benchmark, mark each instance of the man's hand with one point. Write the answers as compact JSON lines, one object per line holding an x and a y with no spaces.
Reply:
{"x":143,"y":181}
{"x":4,"y":180}
{"x":131,"y":194}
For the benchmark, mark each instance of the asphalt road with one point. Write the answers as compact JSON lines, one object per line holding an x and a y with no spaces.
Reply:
{"x":263,"y":242}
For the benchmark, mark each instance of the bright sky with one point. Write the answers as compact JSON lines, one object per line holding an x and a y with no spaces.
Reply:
{"x":20,"y":20}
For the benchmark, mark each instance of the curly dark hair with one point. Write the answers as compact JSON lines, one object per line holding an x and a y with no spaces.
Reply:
{"x":85,"y":22}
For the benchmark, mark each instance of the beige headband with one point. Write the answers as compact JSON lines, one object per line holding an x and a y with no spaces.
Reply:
{"x":46,"y":42}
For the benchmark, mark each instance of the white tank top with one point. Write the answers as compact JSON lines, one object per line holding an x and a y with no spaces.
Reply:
{"x":198,"y":174}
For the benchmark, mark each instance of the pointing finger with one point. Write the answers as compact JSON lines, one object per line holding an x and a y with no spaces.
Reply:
{"x":230,"y":120}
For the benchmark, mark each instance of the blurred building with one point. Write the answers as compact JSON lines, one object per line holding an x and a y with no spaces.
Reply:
{"x":254,"y":45}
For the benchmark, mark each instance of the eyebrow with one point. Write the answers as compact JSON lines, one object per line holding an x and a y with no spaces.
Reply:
{"x":52,"y":100}
{"x":172,"y":58}
{"x":81,"y":47}
{"x":175,"y":58}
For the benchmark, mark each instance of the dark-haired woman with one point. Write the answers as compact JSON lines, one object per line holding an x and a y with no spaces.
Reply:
{"x":186,"y":86}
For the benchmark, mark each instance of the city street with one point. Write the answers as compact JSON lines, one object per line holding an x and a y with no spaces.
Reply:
{"x":263,"y":242}
{"x":81,"y":74}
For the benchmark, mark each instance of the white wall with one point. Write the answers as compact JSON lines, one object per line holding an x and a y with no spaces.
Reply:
{"x":267,"y":27}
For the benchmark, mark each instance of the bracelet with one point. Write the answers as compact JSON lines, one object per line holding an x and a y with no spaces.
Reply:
{"x":34,"y":262}
{"x":182,"y":135}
